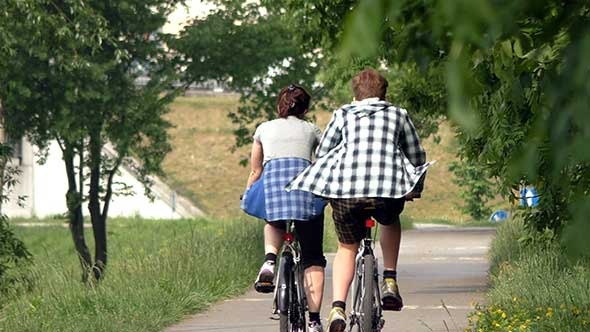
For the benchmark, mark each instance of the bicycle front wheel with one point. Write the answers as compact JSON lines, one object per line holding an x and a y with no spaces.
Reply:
{"x":368,"y":301}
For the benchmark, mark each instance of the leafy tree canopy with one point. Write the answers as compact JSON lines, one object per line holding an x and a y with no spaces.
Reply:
{"x":516,"y":78}
{"x":68,"y":73}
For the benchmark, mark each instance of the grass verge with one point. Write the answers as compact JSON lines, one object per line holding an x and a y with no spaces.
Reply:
{"x":158,"y":272}
{"x":534,"y":286}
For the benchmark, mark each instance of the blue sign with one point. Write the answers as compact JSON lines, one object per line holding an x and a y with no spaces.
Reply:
{"x":499,"y":216}
{"x":529,"y":197}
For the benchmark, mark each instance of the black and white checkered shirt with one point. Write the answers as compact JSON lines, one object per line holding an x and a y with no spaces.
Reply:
{"x":369,"y":149}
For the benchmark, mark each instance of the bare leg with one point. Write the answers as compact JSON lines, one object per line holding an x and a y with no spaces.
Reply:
{"x":390,"y":241}
{"x":273,"y":239}
{"x":314,"y":287}
{"x":344,"y":264}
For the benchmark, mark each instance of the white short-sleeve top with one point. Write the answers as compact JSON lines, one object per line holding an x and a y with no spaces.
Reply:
{"x":289,"y":137}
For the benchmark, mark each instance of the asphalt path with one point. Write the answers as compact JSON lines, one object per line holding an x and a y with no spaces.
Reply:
{"x":442,"y":273}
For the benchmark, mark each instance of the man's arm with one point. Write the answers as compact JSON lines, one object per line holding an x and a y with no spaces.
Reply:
{"x":409,"y":142}
{"x":332,"y":136}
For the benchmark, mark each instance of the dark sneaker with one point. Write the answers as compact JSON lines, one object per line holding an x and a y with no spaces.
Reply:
{"x":314,"y":327}
{"x":390,"y":298}
{"x":265,"y":281}
{"x":337,"y":320}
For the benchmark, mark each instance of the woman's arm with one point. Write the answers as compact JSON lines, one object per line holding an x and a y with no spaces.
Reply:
{"x":256,"y":157}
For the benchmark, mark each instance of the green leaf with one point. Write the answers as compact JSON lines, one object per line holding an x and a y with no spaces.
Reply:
{"x":518,"y":48}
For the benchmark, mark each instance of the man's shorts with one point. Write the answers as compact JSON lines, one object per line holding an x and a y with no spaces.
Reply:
{"x":350,"y":215}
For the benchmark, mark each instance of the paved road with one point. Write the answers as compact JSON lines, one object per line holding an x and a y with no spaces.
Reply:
{"x":437,"y":265}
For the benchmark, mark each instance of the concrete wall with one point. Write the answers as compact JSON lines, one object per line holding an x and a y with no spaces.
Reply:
{"x":45,"y":186}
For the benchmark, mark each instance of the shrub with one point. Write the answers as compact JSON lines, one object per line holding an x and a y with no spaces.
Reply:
{"x":534,"y":286}
{"x":12,"y":254}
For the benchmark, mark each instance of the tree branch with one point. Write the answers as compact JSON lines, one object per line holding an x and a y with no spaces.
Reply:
{"x":109,"y":187}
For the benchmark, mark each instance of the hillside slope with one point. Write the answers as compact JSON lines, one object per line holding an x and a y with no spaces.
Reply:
{"x":202,"y":166}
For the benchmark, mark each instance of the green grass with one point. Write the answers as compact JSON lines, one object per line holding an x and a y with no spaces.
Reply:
{"x":534,"y":286}
{"x":158,"y":272}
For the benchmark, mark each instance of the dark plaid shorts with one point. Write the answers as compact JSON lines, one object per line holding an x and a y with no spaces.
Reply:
{"x":350,"y":214}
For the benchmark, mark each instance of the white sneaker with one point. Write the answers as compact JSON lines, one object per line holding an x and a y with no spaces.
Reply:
{"x":315,"y":327}
{"x":265,"y":281}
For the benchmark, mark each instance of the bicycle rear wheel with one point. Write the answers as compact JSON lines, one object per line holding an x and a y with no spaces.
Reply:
{"x":368,"y":301}
{"x":284,"y":322}
{"x":284,"y":294}
{"x":294,"y":319}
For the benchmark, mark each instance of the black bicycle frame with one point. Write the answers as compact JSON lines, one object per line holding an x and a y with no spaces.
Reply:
{"x":289,"y":293}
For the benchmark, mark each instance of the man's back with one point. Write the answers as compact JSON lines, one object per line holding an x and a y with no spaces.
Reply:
{"x":370,"y":149}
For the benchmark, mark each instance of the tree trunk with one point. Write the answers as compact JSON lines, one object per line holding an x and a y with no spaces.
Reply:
{"x":98,"y":220}
{"x":75,"y":214}
{"x":3,"y":157}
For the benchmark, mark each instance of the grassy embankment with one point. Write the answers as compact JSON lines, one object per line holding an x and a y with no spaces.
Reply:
{"x":202,"y":166}
{"x":158,"y":272}
{"x":534,"y":285}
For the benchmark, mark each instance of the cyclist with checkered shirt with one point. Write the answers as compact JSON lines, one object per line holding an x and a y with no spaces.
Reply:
{"x":369,"y":157}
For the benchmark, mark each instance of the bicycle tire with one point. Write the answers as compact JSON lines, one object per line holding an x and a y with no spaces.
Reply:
{"x":297,"y":311}
{"x":355,"y":324}
{"x":284,"y":322}
{"x":294,"y":319}
{"x":368,"y":306}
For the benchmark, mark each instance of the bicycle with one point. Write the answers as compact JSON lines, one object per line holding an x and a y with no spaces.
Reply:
{"x":289,"y":301}
{"x":367,"y":313}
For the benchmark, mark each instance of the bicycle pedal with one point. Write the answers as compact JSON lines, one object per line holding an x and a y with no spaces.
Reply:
{"x":264,"y":287}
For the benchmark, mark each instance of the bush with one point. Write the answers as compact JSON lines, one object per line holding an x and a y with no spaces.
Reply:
{"x":12,"y":254}
{"x":506,"y":245}
{"x":534,"y":286}
{"x":476,"y":189}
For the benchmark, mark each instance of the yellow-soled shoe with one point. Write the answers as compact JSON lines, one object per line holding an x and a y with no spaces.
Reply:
{"x":390,"y":298}
{"x":337,"y":320}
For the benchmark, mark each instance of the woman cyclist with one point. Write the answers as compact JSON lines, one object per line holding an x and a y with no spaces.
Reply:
{"x":282,"y":148}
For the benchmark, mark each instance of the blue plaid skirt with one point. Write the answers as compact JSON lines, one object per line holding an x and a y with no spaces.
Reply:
{"x":278,"y":204}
